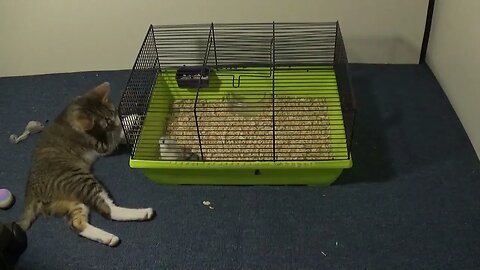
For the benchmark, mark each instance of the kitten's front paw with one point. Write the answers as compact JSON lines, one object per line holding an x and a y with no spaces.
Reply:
{"x":101,"y":147}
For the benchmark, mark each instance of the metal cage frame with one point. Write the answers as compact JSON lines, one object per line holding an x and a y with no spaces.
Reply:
{"x":274,"y":46}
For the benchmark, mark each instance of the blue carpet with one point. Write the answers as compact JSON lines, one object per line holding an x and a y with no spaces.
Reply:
{"x":411,"y":201}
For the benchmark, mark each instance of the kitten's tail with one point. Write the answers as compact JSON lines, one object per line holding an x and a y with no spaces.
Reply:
{"x":28,"y":216}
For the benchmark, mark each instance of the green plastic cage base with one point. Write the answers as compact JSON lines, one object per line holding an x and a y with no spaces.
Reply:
{"x":166,"y":90}
{"x":245,"y":173}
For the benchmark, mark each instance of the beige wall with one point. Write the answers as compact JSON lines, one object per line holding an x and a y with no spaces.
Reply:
{"x":454,"y":57}
{"x":51,"y":36}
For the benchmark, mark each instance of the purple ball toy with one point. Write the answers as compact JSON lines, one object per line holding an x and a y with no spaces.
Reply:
{"x":6,"y":199}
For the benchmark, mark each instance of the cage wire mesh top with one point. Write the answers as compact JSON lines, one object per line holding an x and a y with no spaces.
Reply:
{"x":240,"y":92}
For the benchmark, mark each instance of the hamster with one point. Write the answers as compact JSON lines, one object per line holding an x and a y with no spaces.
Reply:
{"x":169,"y":150}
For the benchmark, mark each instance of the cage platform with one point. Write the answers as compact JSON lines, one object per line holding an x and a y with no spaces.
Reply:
{"x":240,"y":104}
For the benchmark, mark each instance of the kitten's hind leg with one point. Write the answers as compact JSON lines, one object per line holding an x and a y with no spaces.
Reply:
{"x":121,"y":213}
{"x":78,"y":220}
{"x":29,"y":215}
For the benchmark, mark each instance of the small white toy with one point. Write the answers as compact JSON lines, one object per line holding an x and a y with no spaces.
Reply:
{"x":31,"y":128}
{"x":208,"y":204}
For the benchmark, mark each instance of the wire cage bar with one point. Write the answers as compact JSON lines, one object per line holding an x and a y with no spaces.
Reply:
{"x":240,"y":92}
{"x":136,"y":96}
{"x":345,"y":90}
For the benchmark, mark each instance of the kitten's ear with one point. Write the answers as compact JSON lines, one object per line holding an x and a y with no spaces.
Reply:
{"x":82,"y":122}
{"x":101,"y":91}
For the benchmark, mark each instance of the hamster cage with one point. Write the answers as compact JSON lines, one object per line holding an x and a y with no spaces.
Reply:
{"x":240,"y":104}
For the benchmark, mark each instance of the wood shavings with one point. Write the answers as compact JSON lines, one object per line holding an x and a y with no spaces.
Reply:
{"x":301,"y":131}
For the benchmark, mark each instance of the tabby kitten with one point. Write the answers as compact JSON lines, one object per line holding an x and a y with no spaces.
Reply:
{"x":60,"y":182}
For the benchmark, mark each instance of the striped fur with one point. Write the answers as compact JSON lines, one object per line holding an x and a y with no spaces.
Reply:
{"x":60,"y":181}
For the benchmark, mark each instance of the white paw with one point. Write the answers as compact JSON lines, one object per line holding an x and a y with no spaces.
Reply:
{"x":148,"y":213}
{"x":99,"y":235}
{"x":126,"y":214}
{"x":111,"y":240}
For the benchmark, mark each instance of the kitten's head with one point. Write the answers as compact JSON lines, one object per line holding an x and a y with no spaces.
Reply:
{"x":93,"y":110}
